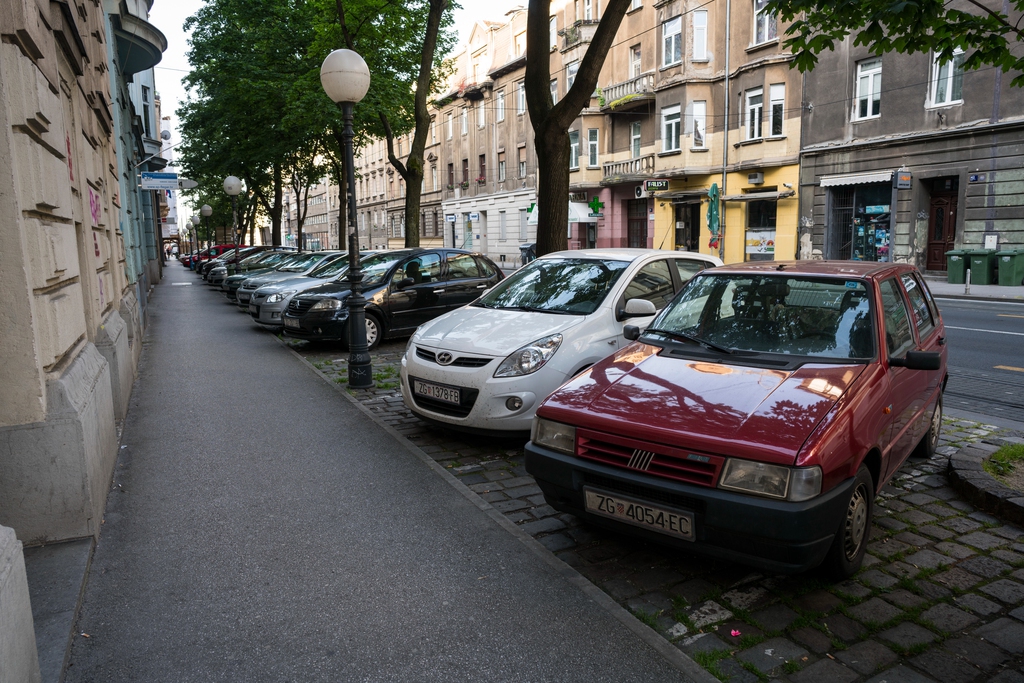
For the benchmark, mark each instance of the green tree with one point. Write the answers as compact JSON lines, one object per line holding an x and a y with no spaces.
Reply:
{"x":983,"y":29}
{"x":551,"y":121}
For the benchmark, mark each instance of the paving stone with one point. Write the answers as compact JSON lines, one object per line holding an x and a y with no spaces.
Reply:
{"x":954,"y":550}
{"x":677,"y":630}
{"x":961,"y":505}
{"x":910,"y":538}
{"x":742,"y":630}
{"x":701,"y":642}
{"x":948,"y":618}
{"x":978,"y":604}
{"x":620,"y":589}
{"x":900,"y":674}
{"x":557,"y":542}
{"x":510,"y":505}
{"x":708,"y":613}
{"x":940,"y":510}
{"x":903,"y":598}
{"x":874,"y":611}
{"x":977,"y":652}
{"x":853,"y":589}
{"x":1018,"y":614}
{"x":517,"y":517}
{"x":919,"y":499}
{"x":825,"y":671}
{"x":523,"y":491}
{"x":945,"y":667}
{"x":1019,"y":574}
{"x":890,"y":523}
{"x":917,"y":517}
{"x":1006,"y":633}
{"x":907,"y":635}
{"x":494,"y":496}
{"x":693,"y":591}
{"x":897,"y":505}
{"x":985,"y":518}
{"x":928,"y":559}
{"x":877,"y":579}
{"x":901,"y":569}
{"x":1005,"y":590}
{"x":943,"y":493}
{"x":867,"y":657}
{"x":987,"y":567}
{"x":936,"y":532}
{"x":1007,"y":556}
{"x":542,"y":526}
{"x":869,"y":561}
{"x":735,"y":673}
{"x":843,"y":627}
{"x":932,"y":591}
{"x":887,"y":549}
{"x":812,"y":639}
{"x":982,"y":541}
{"x":745,"y":598}
{"x":541,"y":511}
{"x":961,"y":525}
{"x":771,"y":654}
{"x":933,"y":481}
{"x":649,"y":603}
{"x":817,"y":602}
{"x":775,"y":618}
{"x":957,"y":578}
{"x":658,"y":577}
{"x":1007,"y":676}
{"x":1009,"y":532}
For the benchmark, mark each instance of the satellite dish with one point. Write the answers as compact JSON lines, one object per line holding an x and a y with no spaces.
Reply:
{"x":165,"y":135}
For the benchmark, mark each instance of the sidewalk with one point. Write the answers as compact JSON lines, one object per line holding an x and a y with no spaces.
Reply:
{"x":262,"y":528}
{"x":939,"y":287}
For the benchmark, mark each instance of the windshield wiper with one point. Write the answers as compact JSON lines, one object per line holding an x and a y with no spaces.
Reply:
{"x":691,"y":338}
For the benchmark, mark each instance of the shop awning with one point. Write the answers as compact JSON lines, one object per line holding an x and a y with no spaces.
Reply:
{"x":683,"y":196}
{"x":578,"y":213}
{"x":754,"y":196}
{"x":856,"y":178}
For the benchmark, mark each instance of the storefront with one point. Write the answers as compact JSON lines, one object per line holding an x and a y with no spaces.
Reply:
{"x":760,"y":222}
{"x":860,"y":217}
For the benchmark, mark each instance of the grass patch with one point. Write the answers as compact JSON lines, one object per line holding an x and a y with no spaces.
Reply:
{"x":646,"y":617}
{"x":341,"y":380}
{"x":1005,"y":460}
{"x":754,"y":670}
{"x":791,"y":666}
{"x":709,"y":660}
{"x":386,"y":385}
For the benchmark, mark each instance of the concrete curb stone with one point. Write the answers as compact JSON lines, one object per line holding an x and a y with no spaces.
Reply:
{"x":968,"y":476}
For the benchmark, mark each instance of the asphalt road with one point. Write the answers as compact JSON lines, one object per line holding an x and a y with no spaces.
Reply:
{"x":986,"y":358}
{"x":262,"y":528}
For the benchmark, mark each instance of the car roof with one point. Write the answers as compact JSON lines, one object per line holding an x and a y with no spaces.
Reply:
{"x":626,"y":254}
{"x":868,"y":269}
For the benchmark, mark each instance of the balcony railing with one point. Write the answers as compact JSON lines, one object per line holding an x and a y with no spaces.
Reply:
{"x":638,"y":89}
{"x":631,"y":167}
{"x":580,"y":32}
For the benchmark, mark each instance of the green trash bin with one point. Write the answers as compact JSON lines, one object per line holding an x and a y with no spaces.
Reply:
{"x":1011,"y":267}
{"x":982,"y":263}
{"x":956,"y":265}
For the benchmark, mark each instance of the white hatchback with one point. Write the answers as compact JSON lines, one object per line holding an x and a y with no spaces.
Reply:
{"x":487,"y":366}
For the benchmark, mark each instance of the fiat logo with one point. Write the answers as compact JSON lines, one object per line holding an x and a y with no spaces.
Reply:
{"x":445,"y":358}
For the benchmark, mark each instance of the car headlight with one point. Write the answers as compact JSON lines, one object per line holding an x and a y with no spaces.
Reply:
{"x":327,"y":305}
{"x":530,"y":358}
{"x":772,"y":481}
{"x":280,"y":296}
{"x":553,"y":435}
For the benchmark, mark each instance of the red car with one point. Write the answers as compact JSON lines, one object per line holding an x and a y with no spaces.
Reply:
{"x":757,"y":416}
{"x":206,"y":254}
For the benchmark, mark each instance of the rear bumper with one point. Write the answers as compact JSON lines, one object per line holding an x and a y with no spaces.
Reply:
{"x":777,"y":536}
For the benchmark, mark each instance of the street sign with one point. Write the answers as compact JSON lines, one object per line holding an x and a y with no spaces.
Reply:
{"x":474,"y":216}
{"x":186,"y":184}
{"x":159,"y":181}
{"x":655,"y":185}
{"x":449,"y":218}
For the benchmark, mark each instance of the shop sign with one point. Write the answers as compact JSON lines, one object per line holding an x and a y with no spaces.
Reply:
{"x":474,"y":216}
{"x":655,"y":185}
{"x":159,"y":181}
{"x":760,"y":242}
{"x":879,"y":208}
{"x":903,"y":180}
{"x":449,"y":218}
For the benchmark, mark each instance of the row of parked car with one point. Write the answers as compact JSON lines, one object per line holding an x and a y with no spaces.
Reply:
{"x":749,"y":411}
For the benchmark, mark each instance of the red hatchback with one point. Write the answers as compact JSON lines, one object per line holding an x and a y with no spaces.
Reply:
{"x":758,"y":415}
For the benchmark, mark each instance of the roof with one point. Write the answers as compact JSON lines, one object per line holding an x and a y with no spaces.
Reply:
{"x":624,"y":254}
{"x":816,"y":267}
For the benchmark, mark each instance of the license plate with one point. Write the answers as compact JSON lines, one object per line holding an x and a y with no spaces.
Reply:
{"x":291,"y":322}
{"x":438,"y":392}
{"x":639,"y":513}
{"x":253,"y":308}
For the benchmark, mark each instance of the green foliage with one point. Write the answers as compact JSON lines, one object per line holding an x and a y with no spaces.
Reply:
{"x":1005,"y":460}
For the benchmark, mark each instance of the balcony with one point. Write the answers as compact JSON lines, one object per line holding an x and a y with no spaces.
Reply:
{"x":140,"y":45}
{"x":632,"y":94}
{"x":580,"y":32}
{"x":629,"y":170}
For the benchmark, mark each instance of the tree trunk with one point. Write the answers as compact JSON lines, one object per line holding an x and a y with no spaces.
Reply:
{"x":275,"y":210}
{"x":552,"y":189}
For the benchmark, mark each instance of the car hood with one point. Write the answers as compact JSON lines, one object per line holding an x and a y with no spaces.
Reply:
{"x":273,"y":276}
{"x":716,"y":407}
{"x":300,"y":283}
{"x":336,"y":290}
{"x":489,"y":331}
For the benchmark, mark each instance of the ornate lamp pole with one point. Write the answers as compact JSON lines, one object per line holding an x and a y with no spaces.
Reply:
{"x":232,"y":186}
{"x":207,"y":211}
{"x":346,"y":78}
{"x":195,"y":237}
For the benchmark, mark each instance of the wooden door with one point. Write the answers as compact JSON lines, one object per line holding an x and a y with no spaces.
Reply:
{"x":636,"y":215}
{"x":941,"y":230}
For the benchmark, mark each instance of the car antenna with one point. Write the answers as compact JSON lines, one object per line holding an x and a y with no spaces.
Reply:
{"x":781,"y":266}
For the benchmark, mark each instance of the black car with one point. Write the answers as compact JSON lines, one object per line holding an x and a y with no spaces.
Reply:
{"x":403,"y":289}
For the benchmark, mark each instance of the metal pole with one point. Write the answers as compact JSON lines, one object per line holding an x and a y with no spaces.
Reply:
{"x":234,"y":229}
{"x":725,"y":139}
{"x":360,"y":370}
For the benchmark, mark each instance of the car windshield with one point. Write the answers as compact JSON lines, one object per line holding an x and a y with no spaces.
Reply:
{"x":376,"y":267}
{"x":573,"y":286}
{"x":301,"y":262}
{"x":275,"y":259}
{"x":331,"y":267}
{"x":777,"y":314}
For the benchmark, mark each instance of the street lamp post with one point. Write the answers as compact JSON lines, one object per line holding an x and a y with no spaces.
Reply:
{"x":233,"y":186}
{"x":346,"y":78}
{"x":195,"y":236}
{"x":206,"y":210}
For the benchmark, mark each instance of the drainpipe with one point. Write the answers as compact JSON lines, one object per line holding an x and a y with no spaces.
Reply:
{"x":725,"y":143}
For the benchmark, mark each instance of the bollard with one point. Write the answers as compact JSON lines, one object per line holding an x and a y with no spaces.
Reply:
{"x":967,"y":282}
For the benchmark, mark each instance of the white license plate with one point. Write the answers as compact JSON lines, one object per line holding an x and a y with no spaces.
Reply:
{"x":253,"y":308}
{"x":438,"y":392}
{"x":291,"y":322}
{"x":638,"y":513}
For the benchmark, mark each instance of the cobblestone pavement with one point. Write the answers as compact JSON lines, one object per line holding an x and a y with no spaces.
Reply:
{"x":940,"y":597}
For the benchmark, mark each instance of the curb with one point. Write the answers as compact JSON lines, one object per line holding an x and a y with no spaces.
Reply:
{"x":969,"y":297}
{"x":649,"y":636}
{"x":969,"y":478}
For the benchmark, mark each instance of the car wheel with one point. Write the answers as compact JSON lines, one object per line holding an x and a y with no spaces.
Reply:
{"x":930,"y":441}
{"x":847,"y":551}
{"x":374,"y":331}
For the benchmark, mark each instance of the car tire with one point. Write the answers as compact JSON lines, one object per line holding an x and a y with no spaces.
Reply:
{"x":374,"y":331}
{"x":930,"y":441}
{"x":847,"y":552}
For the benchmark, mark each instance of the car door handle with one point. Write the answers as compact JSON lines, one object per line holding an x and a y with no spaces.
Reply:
{"x":942,"y":341}
{"x":439,"y":291}
{"x":481,"y":286}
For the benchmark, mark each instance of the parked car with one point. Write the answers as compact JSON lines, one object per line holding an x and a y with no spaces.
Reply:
{"x":267,"y":263}
{"x":208,"y":253}
{"x":487,"y":366}
{"x":228,"y":257}
{"x":757,"y":416}
{"x":301,"y":265}
{"x":269,"y":302}
{"x":218,"y":273}
{"x":404,"y":289}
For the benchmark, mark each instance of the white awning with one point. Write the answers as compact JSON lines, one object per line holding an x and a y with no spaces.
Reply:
{"x":856,"y":178}
{"x":754,"y":196}
{"x":578,"y":213}
{"x":683,"y":196}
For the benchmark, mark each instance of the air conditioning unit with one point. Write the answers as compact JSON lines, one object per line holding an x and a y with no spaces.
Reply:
{"x":755,"y":178}
{"x":640,"y":192}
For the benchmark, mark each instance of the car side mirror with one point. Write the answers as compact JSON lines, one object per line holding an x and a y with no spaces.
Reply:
{"x":631,"y":332}
{"x":405,"y":282}
{"x":637,"y":308}
{"x":918,"y":360}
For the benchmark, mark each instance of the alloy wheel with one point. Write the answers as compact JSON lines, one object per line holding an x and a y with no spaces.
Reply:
{"x":855,"y":530}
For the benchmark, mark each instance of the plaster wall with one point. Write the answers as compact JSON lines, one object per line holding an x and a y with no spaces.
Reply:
{"x":19,"y":662}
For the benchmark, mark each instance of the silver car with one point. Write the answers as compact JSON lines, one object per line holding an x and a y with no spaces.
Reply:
{"x":301,"y":264}
{"x":268,"y":303}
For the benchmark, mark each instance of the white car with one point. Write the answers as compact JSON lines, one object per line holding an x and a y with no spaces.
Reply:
{"x":487,"y":366}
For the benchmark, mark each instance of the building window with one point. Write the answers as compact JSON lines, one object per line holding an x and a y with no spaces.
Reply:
{"x":752,"y":112}
{"x":766,"y":26}
{"x":520,"y":44}
{"x":501,"y":167}
{"x":482,"y":160}
{"x":700,"y":35}
{"x":499,"y":106}
{"x":634,"y":61}
{"x":672,"y":41}
{"x":760,"y":237}
{"x":670,"y":129}
{"x":448,"y":125}
{"x":433,"y":176}
{"x":521,"y":97}
{"x":502,"y":226}
{"x":948,"y":79}
{"x":145,"y":112}
{"x":524,"y":217}
{"x":481,"y":120}
{"x":777,"y":111}
{"x":570,"y":74}
{"x":465,"y":171}
{"x":451,"y":176}
{"x":574,"y":150}
{"x":700,"y":115}
{"x":552,"y":32}
{"x":522,"y":162}
{"x":634,"y":139}
{"x":554,"y":90}
{"x":592,"y":148}
{"x":869,"y":89}
{"x":464,"y":120}
{"x":636,"y":4}
{"x":433,"y":131}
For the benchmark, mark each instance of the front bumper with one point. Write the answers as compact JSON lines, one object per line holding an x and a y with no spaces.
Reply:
{"x":776,"y":536}
{"x":267,"y":314}
{"x":323,"y":326}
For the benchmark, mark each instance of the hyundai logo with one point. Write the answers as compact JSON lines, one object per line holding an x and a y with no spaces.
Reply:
{"x":445,"y":358}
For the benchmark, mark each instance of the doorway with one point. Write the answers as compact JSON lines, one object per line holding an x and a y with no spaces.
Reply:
{"x":687,"y":226}
{"x":636,"y":217}
{"x":942,"y":208}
